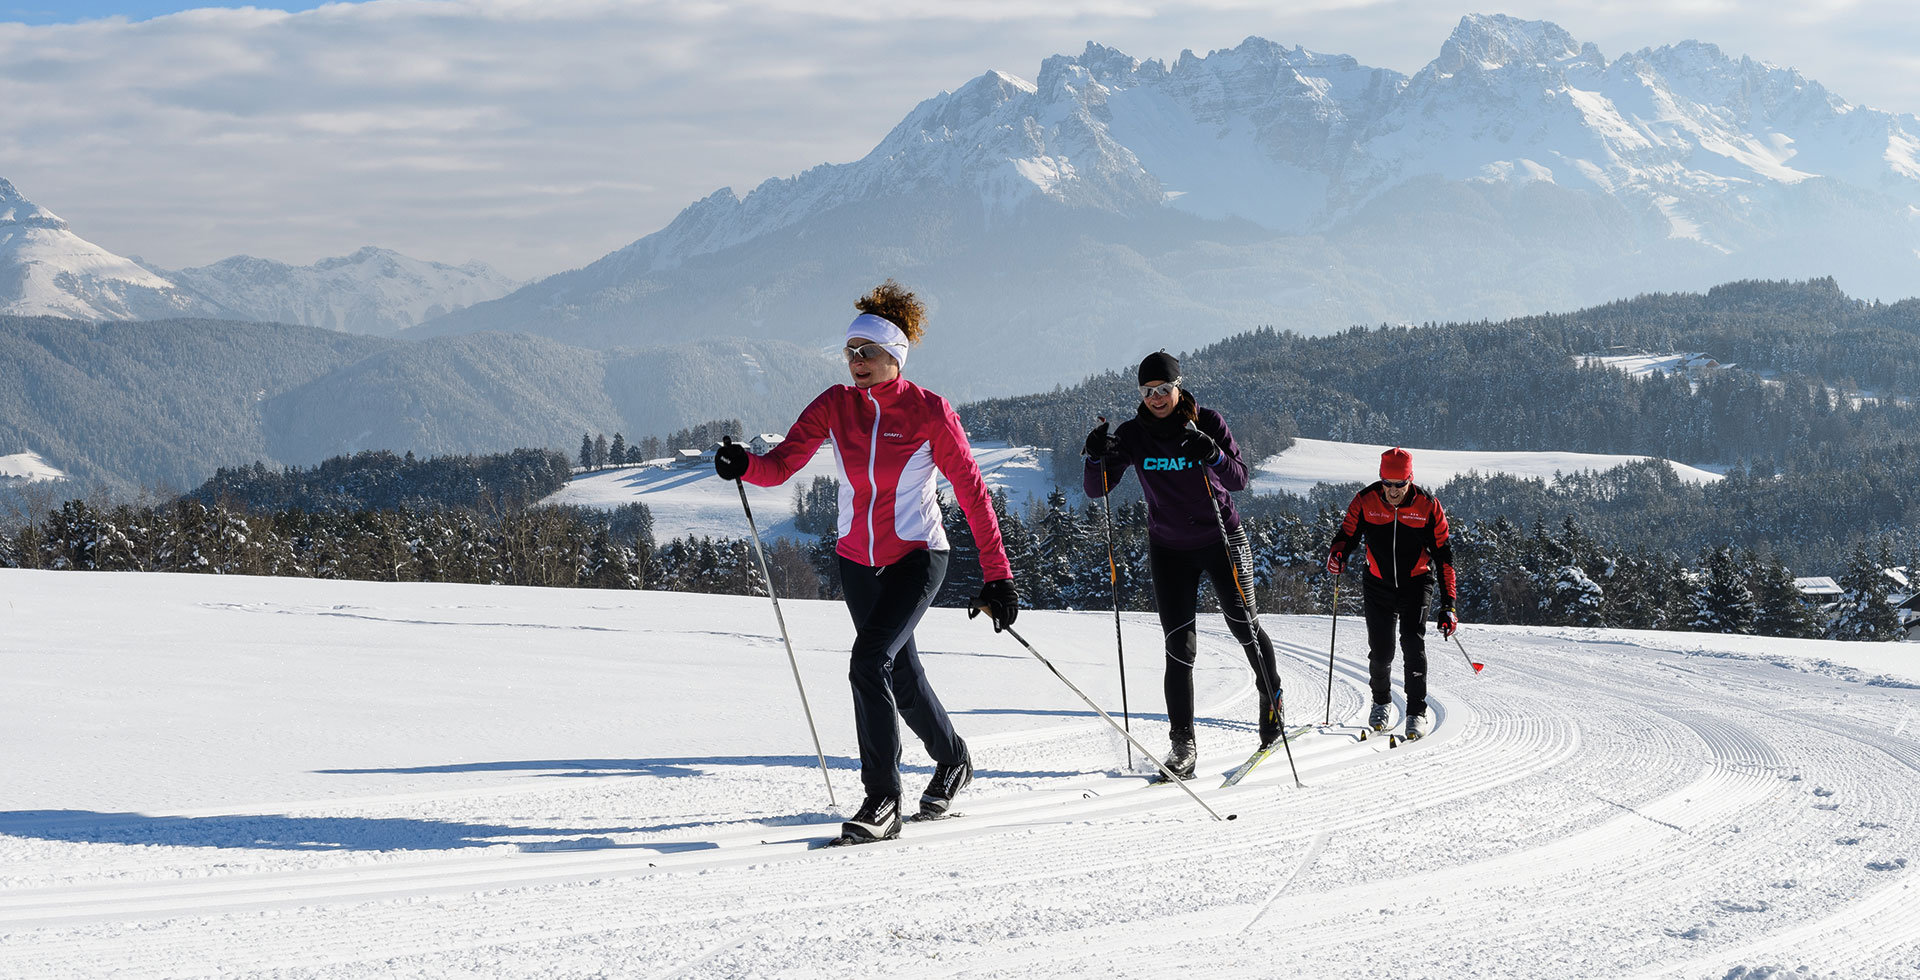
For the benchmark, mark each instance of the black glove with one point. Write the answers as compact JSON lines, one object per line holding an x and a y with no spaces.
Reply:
{"x":1099,"y":445}
{"x":730,"y":460}
{"x":1001,"y":601}
{"x":1447,"y":621}
{"x":1198,"y":446}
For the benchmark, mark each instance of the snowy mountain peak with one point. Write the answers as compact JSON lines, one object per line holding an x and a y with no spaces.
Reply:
{"x":1496,"y":40}
{"x":47,"y":270}
{"x":16,"y":210}
{"x":1519,"y":170}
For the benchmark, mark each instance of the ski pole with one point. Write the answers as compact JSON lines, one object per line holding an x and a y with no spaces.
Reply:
{"x":1113,"y":576}
{"x":977,"y":610}
{"x":767,"y":577}
{"x":1330,"y":640}
{"x":1278,"y":708}
{"x":1475,"y":664}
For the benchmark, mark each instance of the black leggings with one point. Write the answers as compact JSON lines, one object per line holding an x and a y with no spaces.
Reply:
{"x":1176,"y":593}
{"x":1408,"y":604}
{"x":886,"y":604}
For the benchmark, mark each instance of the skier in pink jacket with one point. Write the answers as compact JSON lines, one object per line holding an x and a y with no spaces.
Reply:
{"x":890,"y":436}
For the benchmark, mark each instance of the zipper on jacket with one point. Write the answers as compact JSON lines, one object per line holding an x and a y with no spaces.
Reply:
{"x":873,"y":489}
{"x":1396,"y":543}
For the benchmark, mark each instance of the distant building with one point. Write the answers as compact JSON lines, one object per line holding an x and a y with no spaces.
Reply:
{"x":690,"y":458}
{"x":1820,"y":588}
{"x":758,"y":445}
{"x":1909,"y":613}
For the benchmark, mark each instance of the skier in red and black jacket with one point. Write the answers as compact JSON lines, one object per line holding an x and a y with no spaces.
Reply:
{"x":1405,"y":531}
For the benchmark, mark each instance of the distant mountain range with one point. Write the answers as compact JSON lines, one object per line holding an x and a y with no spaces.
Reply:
{"x":48,"y":270}
{"x":1113,"y":206}
{"x":163,"y":403}
{"x":374,"y":290}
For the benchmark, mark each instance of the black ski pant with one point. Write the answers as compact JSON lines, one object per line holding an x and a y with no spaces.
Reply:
{"x":1176,"y":594}
{"x":887,"y":603}
{"x":1384,"y":603}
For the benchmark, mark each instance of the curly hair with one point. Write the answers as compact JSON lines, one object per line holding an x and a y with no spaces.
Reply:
{"x":894,"y":302}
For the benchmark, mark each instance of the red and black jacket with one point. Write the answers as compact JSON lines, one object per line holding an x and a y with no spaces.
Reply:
{"x":1404,"y":543}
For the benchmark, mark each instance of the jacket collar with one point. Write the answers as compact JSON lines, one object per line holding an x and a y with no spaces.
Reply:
{"x":886,"y":392}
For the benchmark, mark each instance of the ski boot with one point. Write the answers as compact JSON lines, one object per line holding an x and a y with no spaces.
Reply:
{"x":878,"y":819}
{"x":948,"y":781}
{"x":1185,"y":754}
{"x":1419,"y":725}
{"x":1379,"y":717}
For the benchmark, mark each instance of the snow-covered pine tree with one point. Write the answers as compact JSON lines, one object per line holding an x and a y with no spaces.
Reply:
{"x":1783,"y":610}
{"x":1058,"y":540}
{"x":617,"y":452}
{"x":1574,"y":599}
{"x":1722,"y":603}
{"x":1022,"y":553}
{"x":586,"y":450}
{"x":1863,"y":612}
{"x":609,"y":566}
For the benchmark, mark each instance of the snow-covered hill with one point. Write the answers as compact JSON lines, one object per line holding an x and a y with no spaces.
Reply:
{"x":28,"y":467}
{"x":1112,"y":203}
{"x":47,"y":270}
{"x":1314,"y":461}
{"x":237,"y":777}
{"x":374,"y":290}
{"x":692,"y":502}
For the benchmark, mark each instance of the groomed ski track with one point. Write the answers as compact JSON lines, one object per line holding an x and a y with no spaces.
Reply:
{"x":1596,"y":803}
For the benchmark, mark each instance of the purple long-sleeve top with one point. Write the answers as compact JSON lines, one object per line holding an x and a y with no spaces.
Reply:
{"x":1178,"y":515}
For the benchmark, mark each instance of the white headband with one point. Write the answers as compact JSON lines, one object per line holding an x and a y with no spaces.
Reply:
{"x":881,"y":331}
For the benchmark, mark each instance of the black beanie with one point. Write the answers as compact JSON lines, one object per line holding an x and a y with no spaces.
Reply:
{"x":1160,"y":366}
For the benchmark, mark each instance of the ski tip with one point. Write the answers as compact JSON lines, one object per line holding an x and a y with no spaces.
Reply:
{"x":1479,"y":667}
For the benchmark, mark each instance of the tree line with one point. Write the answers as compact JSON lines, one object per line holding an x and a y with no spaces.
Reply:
{"x":598,"y":453}
{"x":1537,"y":575}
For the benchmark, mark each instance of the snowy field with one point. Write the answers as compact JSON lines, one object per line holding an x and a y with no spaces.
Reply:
{"x":244,"y":777}
{"x":28,"y":468}
{"x":693,"y":502}
{"x":1312,"y":461}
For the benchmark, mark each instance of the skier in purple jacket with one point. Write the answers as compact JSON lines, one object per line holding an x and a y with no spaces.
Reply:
{"x":1186,"y":454}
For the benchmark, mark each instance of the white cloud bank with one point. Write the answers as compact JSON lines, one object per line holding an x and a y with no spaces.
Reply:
{"x":538,"y":135}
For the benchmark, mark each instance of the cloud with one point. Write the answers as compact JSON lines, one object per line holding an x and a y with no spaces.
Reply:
{"x":538,"y":135}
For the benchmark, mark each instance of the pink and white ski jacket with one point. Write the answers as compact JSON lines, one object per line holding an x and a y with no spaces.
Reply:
{"x":887,"y":442}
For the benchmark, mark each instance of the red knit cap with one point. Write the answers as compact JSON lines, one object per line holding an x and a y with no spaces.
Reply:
{"x":1396,"y":464}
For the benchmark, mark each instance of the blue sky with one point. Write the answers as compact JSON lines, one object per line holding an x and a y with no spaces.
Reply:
{"x":539,"y":136}
{"x":69,"y":11}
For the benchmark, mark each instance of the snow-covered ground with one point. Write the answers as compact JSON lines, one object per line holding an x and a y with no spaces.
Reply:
{"x":1311,"y":461}
{"x":1641,"y":365}
{"x":237,"y":776}
{"x":28,"y":467}
{"x":692,"y":501}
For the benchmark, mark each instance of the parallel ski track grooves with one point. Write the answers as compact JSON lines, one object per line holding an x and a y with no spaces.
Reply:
{"x":1528,"y":744}
{"x":1863,"y":938}
{"x":177,"y":900}
{"x":33,"y":907}
{"x":1491,"y":733}
{"x":1725,"y":787}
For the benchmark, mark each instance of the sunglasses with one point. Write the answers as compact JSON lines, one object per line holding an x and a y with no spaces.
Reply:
{"x":1395,"y":484}
{"x":1163,"y":389}
{"x":864,"y":352}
